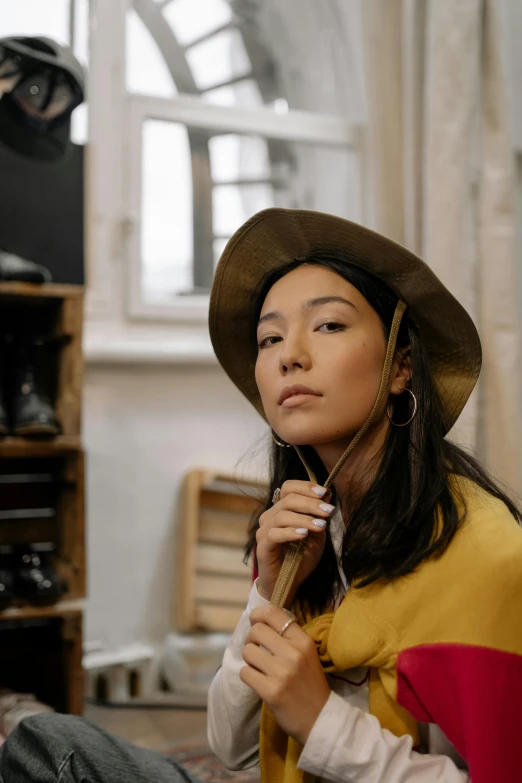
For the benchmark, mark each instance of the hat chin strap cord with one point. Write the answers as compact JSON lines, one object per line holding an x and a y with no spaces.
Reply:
{"x":296,"y":549}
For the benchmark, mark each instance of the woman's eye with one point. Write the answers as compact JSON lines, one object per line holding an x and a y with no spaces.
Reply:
{"x":331,"y":326}
{"x":267,"y":341}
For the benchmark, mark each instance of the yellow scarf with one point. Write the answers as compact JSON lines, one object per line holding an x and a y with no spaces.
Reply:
{"x":279,"y":753}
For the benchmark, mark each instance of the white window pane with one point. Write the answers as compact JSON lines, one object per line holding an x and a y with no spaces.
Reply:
{"x":79,"y":124}
{"x":219,"y":246}
{"x":36,"y":18}
{"x":221,"y":96}
{"x":146,"y":71}
{"x":218,"y":59}
{"x":244,"y":93}
{"x":233,"y":204}
{"x":234,"y":157}
{"x":191,"y":19}
{"x":80,"y":116}
{"x":81,"y":31}
{"x":166,"y":220}
{"x":321,"y":178}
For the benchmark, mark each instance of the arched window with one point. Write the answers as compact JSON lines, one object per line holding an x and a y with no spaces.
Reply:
{"x":212,"y":141}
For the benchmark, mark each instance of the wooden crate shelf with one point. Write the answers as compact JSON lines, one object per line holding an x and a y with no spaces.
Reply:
{"x":55,"y":313}
{"x":23,"y":447}
{"x":41,"y":653}
{"x":66,"y":608}
{"x":62,"y":494}
{"x":40,"y":291}
{"x":42,"y":499}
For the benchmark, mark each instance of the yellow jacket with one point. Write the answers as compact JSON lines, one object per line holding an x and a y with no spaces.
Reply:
{"x":444,"y":645}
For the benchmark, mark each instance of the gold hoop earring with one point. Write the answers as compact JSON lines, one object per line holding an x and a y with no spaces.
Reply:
{"x":279,"y":443}
{"x":412,"y":415}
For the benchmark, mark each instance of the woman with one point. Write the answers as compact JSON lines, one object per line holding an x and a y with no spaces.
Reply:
{"x":408,"y":595}
{"x":410,"y":586}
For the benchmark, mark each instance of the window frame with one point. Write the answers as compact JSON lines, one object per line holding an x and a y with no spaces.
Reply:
{"x":294,"y":126}
{"x":119,"y":325}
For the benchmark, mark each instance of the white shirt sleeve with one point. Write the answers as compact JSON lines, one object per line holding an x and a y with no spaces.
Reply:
{"x":234,"y":709}
{"x":347,"y":745}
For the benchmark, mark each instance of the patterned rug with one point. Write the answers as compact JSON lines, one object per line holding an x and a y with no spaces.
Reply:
{"x":203,"y":764}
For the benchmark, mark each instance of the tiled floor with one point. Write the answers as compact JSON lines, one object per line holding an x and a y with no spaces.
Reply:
{"x":157,"y":729}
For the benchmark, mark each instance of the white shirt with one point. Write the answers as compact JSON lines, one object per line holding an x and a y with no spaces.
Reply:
{"x":346,"y":744}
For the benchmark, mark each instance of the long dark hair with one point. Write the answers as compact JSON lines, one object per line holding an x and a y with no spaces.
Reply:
{"x":393,"y":523}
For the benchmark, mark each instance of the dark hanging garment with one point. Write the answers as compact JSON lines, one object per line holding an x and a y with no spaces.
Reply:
{"x":41,"y":211}
{"x":41,"y":170}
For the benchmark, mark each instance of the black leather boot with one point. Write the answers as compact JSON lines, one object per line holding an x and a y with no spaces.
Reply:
{"x":4,"y":421}
{"x":6,"y":573}
{"x":34,"y":577}
{"x":33,"y":413}
{"x":16,"y":268}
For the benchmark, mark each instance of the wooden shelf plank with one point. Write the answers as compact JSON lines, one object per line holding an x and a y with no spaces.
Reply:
{"x":60,"y":609}
{"x":41,"y":290}
{"x":23,"y":447}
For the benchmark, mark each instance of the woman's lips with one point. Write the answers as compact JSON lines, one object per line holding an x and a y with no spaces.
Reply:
{"x":295,"y":390}
{"x":298,"y":399}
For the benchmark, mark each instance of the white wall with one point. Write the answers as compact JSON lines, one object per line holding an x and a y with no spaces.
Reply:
{"x":143,"y":428}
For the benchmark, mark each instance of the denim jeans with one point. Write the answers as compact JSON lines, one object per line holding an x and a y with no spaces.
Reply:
{"x":52,"y":748}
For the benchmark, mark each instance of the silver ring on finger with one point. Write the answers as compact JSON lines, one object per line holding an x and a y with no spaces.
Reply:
{"x":285,"y":626}
{"x":275,"y":496}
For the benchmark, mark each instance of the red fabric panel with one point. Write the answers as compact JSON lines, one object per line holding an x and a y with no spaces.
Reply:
{"x":474,"y":694}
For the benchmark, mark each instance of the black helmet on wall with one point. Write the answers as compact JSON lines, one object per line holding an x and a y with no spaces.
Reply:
{"x":41,"y":83}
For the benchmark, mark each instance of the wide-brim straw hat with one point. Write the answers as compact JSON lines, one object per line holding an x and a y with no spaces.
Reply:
{"x":277,"y":236}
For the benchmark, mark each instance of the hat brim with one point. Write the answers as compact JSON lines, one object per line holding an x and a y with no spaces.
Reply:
{"x":277,"y":236}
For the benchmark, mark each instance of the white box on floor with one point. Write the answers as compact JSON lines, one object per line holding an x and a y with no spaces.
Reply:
{"x":190,"y":661}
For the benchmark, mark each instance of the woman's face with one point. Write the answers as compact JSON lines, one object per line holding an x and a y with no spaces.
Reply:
{"x":318,"y":332}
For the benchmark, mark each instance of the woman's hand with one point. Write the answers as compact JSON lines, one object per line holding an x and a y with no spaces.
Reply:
{"x":287,"y":674}
{"x":298,"y":514}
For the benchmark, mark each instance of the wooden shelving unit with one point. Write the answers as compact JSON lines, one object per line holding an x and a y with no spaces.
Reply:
{"x":42,"y":498}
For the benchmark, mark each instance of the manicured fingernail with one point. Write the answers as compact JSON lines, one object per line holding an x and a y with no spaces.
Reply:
{"x":319,"y":523}
{"x":321,"y":491}
{"x":326,"y":507}
{"x":301,"y":531}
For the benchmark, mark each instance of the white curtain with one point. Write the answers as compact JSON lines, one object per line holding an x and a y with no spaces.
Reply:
{"x":442,"y":182}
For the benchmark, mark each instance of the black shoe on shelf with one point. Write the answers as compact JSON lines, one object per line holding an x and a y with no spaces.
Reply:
{"x":33,"y":414}
{"x":14,"y":267}
{"x":34,"y":578}
{"x":6,"y":573}
{"x":4,"y":418}
{"x":4,"y":421}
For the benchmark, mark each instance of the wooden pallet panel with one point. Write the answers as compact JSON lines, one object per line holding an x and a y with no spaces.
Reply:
{"x":223,"y":527}
{"x":213,"y":581}
{"x":221,"y":559}
{"x":227,"y":502}
{"x":222,"y":589}
{"x":216,"y":617}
